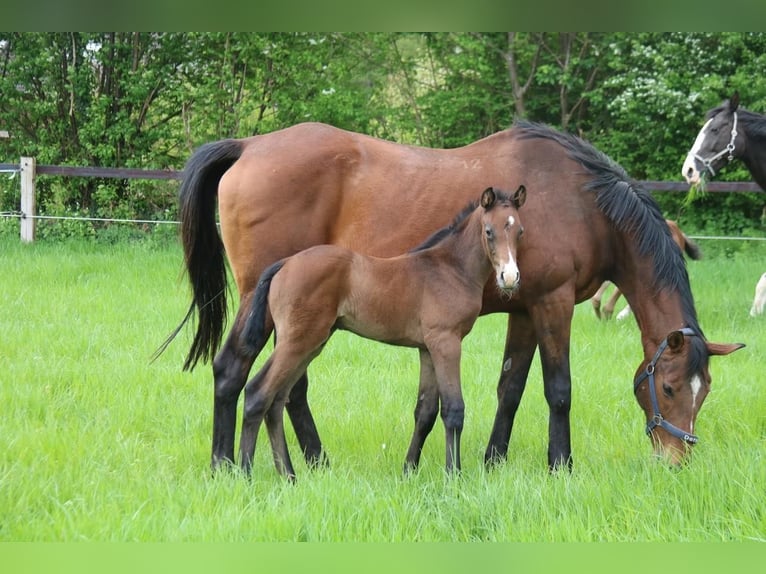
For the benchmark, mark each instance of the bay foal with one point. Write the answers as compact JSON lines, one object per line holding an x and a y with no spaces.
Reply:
{"x":428,"y":298}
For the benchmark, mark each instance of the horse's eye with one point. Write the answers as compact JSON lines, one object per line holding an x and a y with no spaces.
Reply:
{"x":488,"y":232}
{"x":714,"y":131}
{"x":521,"y":231}
{"x":667,"y":390}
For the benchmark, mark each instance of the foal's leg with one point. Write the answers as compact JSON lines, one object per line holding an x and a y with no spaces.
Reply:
{"x":276,"y":429}
{"x":303,"y":423}
{"x":520,"y":345}
{"x":255,"y":406}
{"x":446,"y":360}
{"x":426,"y":410}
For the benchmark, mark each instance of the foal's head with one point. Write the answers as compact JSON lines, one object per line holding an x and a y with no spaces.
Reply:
{"x":502,"y":231}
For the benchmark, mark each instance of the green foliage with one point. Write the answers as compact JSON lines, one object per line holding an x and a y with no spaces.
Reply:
{"x":147,"y":100}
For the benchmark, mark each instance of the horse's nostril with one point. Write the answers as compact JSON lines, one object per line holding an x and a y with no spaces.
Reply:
{"x":689,"y":172}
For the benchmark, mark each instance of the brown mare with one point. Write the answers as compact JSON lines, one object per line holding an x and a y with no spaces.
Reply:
{"x":587,"y":222}
{"x":428,"y":298}
{"x":684,"y":243}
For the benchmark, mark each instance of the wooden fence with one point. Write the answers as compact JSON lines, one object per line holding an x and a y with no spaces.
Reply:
{"x":29,"y":170}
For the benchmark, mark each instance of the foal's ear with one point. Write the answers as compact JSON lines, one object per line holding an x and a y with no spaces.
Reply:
{"x":520,"y":196}
{"x":734,"y":102}
{"x":488,"y":198}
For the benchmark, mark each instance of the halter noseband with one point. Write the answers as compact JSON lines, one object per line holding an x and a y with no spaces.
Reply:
{"x":657,"y":419}
{"x":729,"y":149}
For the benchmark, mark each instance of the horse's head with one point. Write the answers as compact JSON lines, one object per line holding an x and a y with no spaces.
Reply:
{"x":502,"y":232}
{"x":718,"y":142}
{"x":671,"y":388}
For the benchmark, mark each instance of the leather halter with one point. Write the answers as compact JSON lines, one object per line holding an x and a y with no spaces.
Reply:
{"x":657,"y":419}
{"x":729,"y":149}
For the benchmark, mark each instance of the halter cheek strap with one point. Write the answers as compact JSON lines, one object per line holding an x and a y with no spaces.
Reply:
{"x":729,"y":149}
{"x":657,"y":419}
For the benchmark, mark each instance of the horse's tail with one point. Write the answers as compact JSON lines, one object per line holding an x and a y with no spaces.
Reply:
{"x":203,"y":249}
{"x":254,"y":334}
{"x":692,"y":249}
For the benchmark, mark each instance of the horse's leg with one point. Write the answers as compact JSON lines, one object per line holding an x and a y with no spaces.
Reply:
{"x":553,"y":322}
{"x":446,"y":361}
{"x":608,"y":309}
{"x":303,"y":423}
{"x":596,"y":299}
{"x":230,"y":369}
{"x":520,"y":345}
{"x":276,"y":429}
{"x":426,"y":411}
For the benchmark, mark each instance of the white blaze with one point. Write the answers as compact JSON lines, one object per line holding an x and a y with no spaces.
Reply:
{"x":688,"y":170}
{"x":508,"y":274}
{"x":696,"y":384}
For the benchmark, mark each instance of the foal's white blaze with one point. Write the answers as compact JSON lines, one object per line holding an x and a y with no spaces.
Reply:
{"x":508,"y":274}
{"x":696,"y":384}
{"x":689,"y":171}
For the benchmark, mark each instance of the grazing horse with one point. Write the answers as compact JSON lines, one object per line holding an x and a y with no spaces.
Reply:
{"x":729,"y":132}
{"x":587,"y":222}
{"x":428,"y":298}
{"x":684,"y":243}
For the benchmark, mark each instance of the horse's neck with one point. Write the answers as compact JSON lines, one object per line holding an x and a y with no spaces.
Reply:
{"x":657,"y":314}
{"x":754,"y":157}
{"x":755,"y":161}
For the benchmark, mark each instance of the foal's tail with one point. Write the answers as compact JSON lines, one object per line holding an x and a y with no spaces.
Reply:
{"x":203,"y":249}
{"x":254,"y":334}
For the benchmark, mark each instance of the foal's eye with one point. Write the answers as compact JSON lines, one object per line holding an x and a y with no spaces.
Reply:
{"x":521,"y":231}
{"x":667,"y":390}
{"x":488,"y":232}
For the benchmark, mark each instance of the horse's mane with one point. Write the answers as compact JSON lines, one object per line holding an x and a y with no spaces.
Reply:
{"x":630,"y":208}
{"x":457,"y":223}
{"x":754,"y":124}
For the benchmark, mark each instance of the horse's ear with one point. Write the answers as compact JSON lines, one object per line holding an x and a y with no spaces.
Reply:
{"x":722,"y":348}
{"x":734,"y":102}
{"x":488,"y":198}
{"x":520,"y":196}
{"x":676,"y":340}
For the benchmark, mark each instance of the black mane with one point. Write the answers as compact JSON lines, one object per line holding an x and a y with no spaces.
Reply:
{"x":457,"y":223}
{"x":754,"y":124}
{"x":630,"y":208}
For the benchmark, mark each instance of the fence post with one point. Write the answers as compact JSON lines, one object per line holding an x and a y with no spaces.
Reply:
{"x":28,"y":169}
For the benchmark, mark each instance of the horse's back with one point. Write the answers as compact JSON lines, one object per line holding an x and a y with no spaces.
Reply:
{"x":315,"y":184}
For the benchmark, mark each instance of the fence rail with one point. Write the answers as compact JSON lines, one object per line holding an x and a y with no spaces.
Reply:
{"x":29,"y":170}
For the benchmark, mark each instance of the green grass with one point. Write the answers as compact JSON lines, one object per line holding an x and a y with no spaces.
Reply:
{"x":100,"y":445}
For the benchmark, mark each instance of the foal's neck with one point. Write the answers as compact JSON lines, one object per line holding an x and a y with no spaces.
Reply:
{"x":467,"y":252}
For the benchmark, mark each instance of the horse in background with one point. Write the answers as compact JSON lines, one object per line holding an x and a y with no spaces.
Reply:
{"x":587,"y":222}
{"x":729,"y":132}
{"x":684,"y":243}
{"x":428,"y":299}
{"x":759,"y":299}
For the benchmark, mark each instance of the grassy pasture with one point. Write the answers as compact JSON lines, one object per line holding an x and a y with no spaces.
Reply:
{"x":100,"y":445}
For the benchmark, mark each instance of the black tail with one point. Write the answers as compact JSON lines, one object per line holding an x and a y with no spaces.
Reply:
{"x":254,"y":334}
{"x":203,"y":249}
